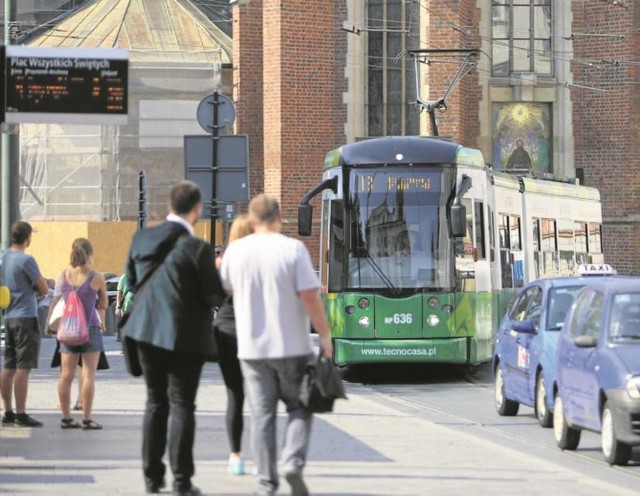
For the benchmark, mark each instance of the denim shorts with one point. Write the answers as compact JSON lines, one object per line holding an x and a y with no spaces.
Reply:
{"x":94,"y":343}
{"x":22,"y":343}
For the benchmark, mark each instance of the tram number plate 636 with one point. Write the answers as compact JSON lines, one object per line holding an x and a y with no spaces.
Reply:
{"x":399,"y":318}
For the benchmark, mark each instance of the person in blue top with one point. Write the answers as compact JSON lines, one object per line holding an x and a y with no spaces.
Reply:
{"x":21,"y":274}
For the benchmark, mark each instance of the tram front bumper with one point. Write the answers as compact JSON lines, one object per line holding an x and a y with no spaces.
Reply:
{"x":450,"y":350}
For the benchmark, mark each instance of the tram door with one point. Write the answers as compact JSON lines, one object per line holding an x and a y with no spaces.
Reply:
{"x":472,"y":260}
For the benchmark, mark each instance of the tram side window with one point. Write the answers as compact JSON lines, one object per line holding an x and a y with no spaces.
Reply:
{"x":505,"y":259}
{"x":324,"y":244}
{"x":503,"y":228}
{"x":515,"y":238}
{"x":465,"y":269}
{"x":505,"y":254}
{"x":538,"y":259}
{"x":478,"y":212}
{"x":336,"y":247}
{"x":580,"y":240}
{"x":566,"y":247}
{"x":492,"y":236}
{"x":548,"y":241}
{"x":594,"y":243}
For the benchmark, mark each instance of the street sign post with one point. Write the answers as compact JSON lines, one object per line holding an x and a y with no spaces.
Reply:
{"x":218,"y":164}
{"x":232,"y":182}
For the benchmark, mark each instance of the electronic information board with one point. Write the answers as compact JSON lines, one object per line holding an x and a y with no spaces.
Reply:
{"x":66,"y":85}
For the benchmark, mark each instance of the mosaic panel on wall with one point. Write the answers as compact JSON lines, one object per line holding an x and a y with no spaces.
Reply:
{"x":522,"y":136}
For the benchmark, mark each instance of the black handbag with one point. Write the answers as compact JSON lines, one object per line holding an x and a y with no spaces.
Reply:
{"x":321,"y":385}
{"x":129,"y":349}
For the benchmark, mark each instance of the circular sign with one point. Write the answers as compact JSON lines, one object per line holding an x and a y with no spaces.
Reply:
{"x":226,"y":114}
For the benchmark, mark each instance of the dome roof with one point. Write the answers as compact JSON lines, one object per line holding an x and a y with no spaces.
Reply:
{"x":152,"y":30}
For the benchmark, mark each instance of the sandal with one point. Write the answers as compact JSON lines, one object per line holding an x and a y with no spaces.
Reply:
{"x":90,"y":425}
{"x":69,"y":423}
{"x":77,"y":406}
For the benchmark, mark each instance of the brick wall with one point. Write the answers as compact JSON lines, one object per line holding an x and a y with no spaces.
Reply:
{"x":449,"y":27}
{"x":290,"y":95}
{"x":247,"y":85}
{"x":606,"y":126}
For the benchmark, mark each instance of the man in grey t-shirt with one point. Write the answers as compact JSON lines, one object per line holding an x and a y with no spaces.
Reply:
{"x":21,"y":274}
{"x":275,"y":293}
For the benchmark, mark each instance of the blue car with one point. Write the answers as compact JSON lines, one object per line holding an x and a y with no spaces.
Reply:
{"x":524,"y":357}
{"x":598,"y":369}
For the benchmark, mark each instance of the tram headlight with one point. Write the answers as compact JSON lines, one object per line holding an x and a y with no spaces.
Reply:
{"x":433,"y":302}
{"x":433,"y":320}
{"x":363,"y":303}
{"x":447,"y":309}
{"x":350,"y":310}
{"x":364,"y":321}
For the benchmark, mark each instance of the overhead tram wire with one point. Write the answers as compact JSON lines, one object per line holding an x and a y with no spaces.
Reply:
{"x":465,"y":30}
{"x":490,"y":39}
{"x":90,"y":10}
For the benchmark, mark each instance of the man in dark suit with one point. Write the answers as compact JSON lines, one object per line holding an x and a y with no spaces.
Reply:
{"x":176,"y":284}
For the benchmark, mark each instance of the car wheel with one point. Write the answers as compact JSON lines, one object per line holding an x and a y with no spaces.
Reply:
{"x":544,"y":415}
{"x":504,"y":406}
{"x":615,"y":452}
{"x":567,"y":438}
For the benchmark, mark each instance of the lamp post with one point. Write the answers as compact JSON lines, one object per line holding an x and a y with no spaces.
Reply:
{"x":5,"y":172}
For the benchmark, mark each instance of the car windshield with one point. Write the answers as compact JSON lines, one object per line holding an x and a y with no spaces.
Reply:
{"x":624,"y":323}
{"x":560,"y":300}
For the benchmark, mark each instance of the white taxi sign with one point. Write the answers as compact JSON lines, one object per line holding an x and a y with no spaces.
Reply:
{"x":596,"y":270}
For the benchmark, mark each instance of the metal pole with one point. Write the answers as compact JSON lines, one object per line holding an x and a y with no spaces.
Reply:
{"x":142,"y":200}
{"x":214,"y":167}
{"x":5,"y":176}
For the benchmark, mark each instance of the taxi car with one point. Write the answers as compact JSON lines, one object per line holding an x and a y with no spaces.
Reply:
{"x":524,"y":356}
{"x":598,"y":369}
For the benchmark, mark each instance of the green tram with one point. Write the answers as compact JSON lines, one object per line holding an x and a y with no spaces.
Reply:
{"x":423,"y":246}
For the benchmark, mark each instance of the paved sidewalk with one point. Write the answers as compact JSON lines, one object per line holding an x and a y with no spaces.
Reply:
{"x":366,"y":447}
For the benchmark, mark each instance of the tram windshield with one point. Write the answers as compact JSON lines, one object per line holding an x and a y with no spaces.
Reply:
{"x":398,"y":228}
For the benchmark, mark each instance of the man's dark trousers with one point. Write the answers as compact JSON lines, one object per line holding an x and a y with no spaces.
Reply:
{"x":172,"y":380}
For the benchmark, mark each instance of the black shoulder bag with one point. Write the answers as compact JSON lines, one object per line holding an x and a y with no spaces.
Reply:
{"x":321,"y":386}
{"x":129,"y":345}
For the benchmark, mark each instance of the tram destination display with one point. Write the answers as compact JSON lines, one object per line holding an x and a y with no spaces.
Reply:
{"x":66,"y":85}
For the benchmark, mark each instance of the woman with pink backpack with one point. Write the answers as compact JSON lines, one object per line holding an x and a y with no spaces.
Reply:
{"x":80,"y":330}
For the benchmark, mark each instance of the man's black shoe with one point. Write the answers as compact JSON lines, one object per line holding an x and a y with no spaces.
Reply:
{"x":24,"y":420}
{"x":156,"y":487}
{"x":8,"y":418}
{"x":192,"y":491}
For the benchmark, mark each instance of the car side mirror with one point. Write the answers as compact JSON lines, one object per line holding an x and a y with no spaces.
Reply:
{"x":524,"y":326}
{"x":305,"y":214}
{"x":585,"y":341}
